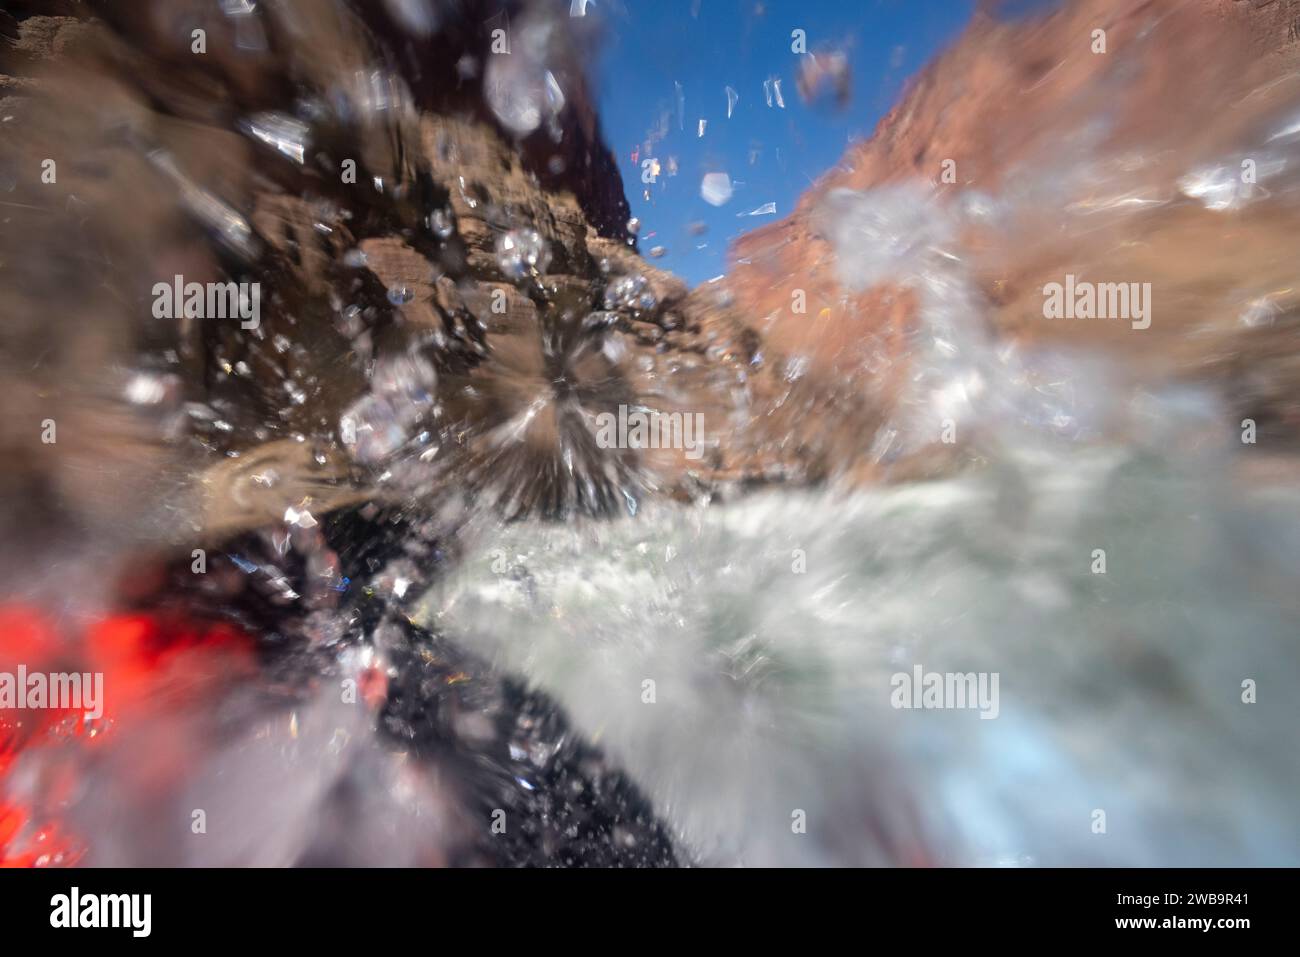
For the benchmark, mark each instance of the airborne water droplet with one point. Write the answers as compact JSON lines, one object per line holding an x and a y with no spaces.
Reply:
{"x":521,"y":252}
{"x":441,"y":224}
{"x":285,"y":134}
{"x":629,"y":292}
{"x":715,"y":188}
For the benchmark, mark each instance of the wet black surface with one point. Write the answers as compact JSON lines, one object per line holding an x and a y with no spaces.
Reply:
{"x":535,"y":792}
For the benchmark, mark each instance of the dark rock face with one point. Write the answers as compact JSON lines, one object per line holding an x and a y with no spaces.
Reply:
{"x":440,"y":58}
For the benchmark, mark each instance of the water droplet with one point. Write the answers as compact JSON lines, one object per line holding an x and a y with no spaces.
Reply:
{"x":371,"y":429}
{"x":599,"y":320}
{"x":299,"y":517}
{"x":378,"y":424}
{"x":772,"y":92}
{"x":285,"y":134}
{"x":715,"y":188}
{"x":629,"y":292}
{"x":350,"y":323}
{"x":520,"y":91}
{"x":441,"y":224}
{"x":418,"y":16}
{"x":146,"y":388}
{"x":521,"y":252}
{"x":406,"y":378}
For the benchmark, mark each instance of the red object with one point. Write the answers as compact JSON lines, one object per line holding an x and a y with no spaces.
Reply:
{"x":152,"y":667}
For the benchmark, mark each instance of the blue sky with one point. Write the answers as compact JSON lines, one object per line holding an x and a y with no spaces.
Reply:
{"x":770,"y":154}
